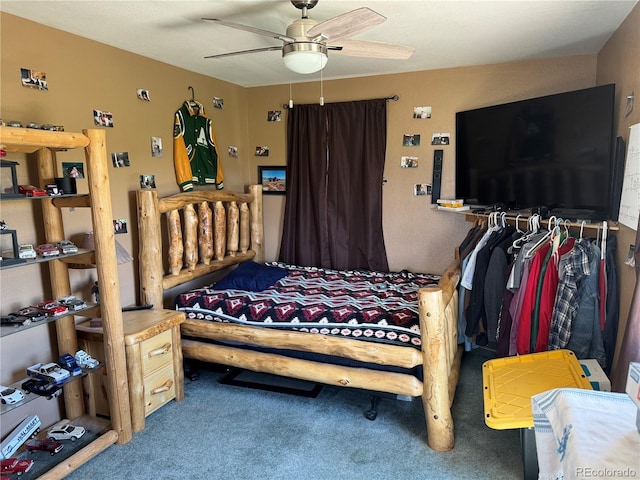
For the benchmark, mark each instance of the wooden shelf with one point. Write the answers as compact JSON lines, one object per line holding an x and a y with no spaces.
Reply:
{"x":44,"y":145}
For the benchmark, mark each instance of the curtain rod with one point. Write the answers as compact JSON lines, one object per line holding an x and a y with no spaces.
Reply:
{"x":395,"y":98}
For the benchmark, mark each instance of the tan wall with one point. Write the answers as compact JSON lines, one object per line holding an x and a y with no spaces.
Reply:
{"x":417,"y":237}
{"x":619,"y":63}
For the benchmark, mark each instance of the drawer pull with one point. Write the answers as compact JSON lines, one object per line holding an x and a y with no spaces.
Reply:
{"x":162,"y":388}
{"x":166,"y":348}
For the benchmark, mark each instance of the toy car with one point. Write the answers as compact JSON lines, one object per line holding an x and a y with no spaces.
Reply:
{"x":49,"y":372}
{"x":42,"y":388}
{"x":72,"y":303}
{"x":15,"y":465}
{"x":65,"y":246}
{"x":68,"y":362}
{"x":65,"y":431}
{"x":47,"y":250}
{"x":33,"y":314}
{"x":13,"y":319}
{"x":26,"y":250}
{"x":32,"y":191}
{"x":52,"y":308}
{"x":46,"y":445}
{"x":85,"y":360}
{"x":9,"y":396}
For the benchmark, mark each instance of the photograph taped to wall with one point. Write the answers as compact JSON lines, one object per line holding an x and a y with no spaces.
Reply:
{"x":273,"y":179}
{"x":421,"y":112}
{"x":233,"y":151}
{"x":411,"y":140}
{"x":33,"y":79}
{"x":218,"y":102}
{"x":147,"y":181}
{"x":409,"y":162}
{"x":440,"y":139}
{"x":262,"y":151}
{"x":120,"y":159}
{"x":274,"y":116}
{"x":102,"y":119}
{"x":422,"y":189}
{"x":156,"y":146}
{"x":120,"y":225}
{"x":143,"y":94}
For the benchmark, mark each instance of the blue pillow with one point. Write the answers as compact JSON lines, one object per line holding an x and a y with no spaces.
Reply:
{"x":251,"y":276}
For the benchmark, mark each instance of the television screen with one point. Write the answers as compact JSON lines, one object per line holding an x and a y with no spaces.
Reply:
{"x":554,"y":151}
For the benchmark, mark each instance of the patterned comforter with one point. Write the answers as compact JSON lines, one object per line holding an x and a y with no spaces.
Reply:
{"x":372,"y":306}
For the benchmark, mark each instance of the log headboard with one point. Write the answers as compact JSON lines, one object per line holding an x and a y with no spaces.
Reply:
{"x":207,"y":230}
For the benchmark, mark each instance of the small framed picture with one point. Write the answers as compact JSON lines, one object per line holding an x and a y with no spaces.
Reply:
{"x":273,"y":180}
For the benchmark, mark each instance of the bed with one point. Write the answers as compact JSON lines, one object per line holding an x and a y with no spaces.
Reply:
{"x":187,"y":236}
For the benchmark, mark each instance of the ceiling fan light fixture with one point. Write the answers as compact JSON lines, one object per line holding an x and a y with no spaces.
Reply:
{"x":305,"y":57}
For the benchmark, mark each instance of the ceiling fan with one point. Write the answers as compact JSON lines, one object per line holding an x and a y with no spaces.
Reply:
{"x":306,"y":43}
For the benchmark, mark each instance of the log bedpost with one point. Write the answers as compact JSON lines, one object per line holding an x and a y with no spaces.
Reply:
{"x":150,"y":248}
{"x":257,"y":227}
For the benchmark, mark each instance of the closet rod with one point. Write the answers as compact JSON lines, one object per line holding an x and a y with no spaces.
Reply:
{"x":395,"y":98}
{"x":524,"y":219}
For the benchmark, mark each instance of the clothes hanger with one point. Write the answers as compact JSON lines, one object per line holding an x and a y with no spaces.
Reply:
{"x":543,"y":240}
{"x":193,"y":103}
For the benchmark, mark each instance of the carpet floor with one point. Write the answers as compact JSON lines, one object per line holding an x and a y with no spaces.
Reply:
{"x":231,"y":432}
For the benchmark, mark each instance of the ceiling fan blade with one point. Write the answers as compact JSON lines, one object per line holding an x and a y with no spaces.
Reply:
{"x":364,"y":48}
{"x":242,"y":52}
{"x":348,"y":24}
{"x":247,"y":28}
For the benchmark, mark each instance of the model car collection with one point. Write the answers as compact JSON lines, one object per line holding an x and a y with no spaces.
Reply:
{"x":51,"y":308}
{"x":32,"y":191}
{"x":65,"y":431}
{"x":34,"y":314}
{"x":47,"y":250}
{"x":66,"y":246}
{"x":69,"y":363}
{"x":49,"y":372}
{"x":26,"y":250}
{"x":9,"y":396}
{"x":42,"y":388}
{"x":72,"y":303}
{"x":13,"y":319}
{"x":85,"y":360}
{"x":47,"y":445}
{"x":15,"y":465}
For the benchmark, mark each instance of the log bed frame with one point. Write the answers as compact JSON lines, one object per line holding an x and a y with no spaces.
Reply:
{"x":207,"y":231}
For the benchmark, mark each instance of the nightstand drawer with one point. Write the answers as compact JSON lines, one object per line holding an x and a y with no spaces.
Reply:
{"x":159,"y":388}
{"x":156,"y":352}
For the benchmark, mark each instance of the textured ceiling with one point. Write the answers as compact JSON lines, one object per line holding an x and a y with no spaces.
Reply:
{"x":444,"y":33}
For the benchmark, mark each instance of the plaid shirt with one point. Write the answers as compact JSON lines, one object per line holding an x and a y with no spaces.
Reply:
{"x":574,"y":267}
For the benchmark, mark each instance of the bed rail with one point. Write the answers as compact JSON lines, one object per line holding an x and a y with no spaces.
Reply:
{"x":206,"y":231}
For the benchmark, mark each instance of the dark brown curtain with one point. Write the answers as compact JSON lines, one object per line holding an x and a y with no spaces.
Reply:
{"x":335,"y":163}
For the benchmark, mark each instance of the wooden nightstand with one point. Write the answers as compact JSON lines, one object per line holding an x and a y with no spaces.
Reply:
{"x":154,"y":362}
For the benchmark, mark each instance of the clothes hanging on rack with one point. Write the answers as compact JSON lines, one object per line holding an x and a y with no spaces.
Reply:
{"x":195,"y":148}
{"x":551,"y":300}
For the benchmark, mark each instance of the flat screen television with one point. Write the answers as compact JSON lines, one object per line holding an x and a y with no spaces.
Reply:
{"x":555,"y":151}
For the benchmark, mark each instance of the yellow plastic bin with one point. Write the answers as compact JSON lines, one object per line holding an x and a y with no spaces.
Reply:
{"x":510,"y":382}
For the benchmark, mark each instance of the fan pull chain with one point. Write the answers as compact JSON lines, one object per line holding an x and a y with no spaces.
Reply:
{"x":321,"y":89}
{"x":290,"y":96}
